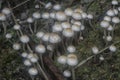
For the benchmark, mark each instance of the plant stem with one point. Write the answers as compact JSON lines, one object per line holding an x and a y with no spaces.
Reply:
{"x":112,"y":33}
{"x":30,"y":28}
{"x":21,"y":4}
{"x":32,"y":78}
{"x":41,"y":59}
{"x":29,"y":48}
{"x":73,"y":74}
{"x":42,"y":3}
{"x":4,"y":27}
{"x":35,"y":26}
{"x":45,"y":76}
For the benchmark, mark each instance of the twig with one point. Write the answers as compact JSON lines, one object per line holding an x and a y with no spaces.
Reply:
{"x":44,"y":74}
{"x":84,"y":61}
{"x":28,"y":47}
{"x":14,"y":18}
{"x":41,"y":3}
{"x":53,"y":68}
{"x":21,"y":4}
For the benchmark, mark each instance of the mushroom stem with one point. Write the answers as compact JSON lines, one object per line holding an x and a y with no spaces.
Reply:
{"x":4,"y":27}
{"x":21,"y":33}
{"x":35,"y":26}
{"x":112,"y":33}
{"x":30,"y":28}
{"x":73,"y":74}
{"x":14,"y":18}
{"x":28,"y":47}
{"x":41,"y":59}
{"x":105,"y":36}
{"x":42,"y":3}
{"x":32,"y":77}
{"x":42,"y":71}
{"x":92,"y":26}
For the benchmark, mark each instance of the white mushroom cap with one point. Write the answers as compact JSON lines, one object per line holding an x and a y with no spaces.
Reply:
{"x":114,"y":2}
{"x":107,"y":18}
{"x":39,"y":34}
{"x":67,"y":73}
{"x":68,"y":32}
{"x":101,"y":58}
{"x":2,"y":17}
{"x":110,"y":12}
{"x":30,"y":20}
{"x":34,"y":59}
{"x":6,"y":11}
{"x":37,"y":6}
{"x":36,"y":15}
{"x":71,"y":49}
{"x":40,"y":48}
{"x":46,"y":37}
{"x":61,"y":16}
{"x":27,"y":62}
{"x":52,"y":15}
{"x":45,"y":15}
{"x":95,"y":50}
{"x":24,"y":54}
{"x":16,"y":46}
{"x":77,"y":23}
{"x":68,"y":12}
{"x":66,"y":25}
{"x":62,"y":59}
{"x":104,"y":24}
{"x":84,"y":16}
{"x":17,"y":27}
{"x":118,"y":8}
{"x":33,"y":71}
{"x":109,"y":38}
{"x":110,"y":28}
{"x":77,"y":16}
{"x":76,"y":28}
{"x":57,"y":7}
{"x":72,"y":60}
{"x":78,"y":10}
{"x":24,"y":39}
{"x":115,"y":11}
{"x":90,"y":16}
{"x":54,"y":38}
{"x":116,"y":20}
{"x":50,"y":47}
{"x":8,"y":35}
{"x":57,"y":27}
{"x":30,"y":55}
{"x":112,"y":48}
{"x":48,"y":5}
{"x":82,"y":27}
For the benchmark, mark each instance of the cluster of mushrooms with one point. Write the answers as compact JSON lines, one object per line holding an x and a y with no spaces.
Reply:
{"x":108,"y":26}
{"x":52,"y":32}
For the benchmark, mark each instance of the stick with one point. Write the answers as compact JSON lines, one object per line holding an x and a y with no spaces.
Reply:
{"x":21,"y":4}
{"x":52,"y":68}
{"x":84,"y":61}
